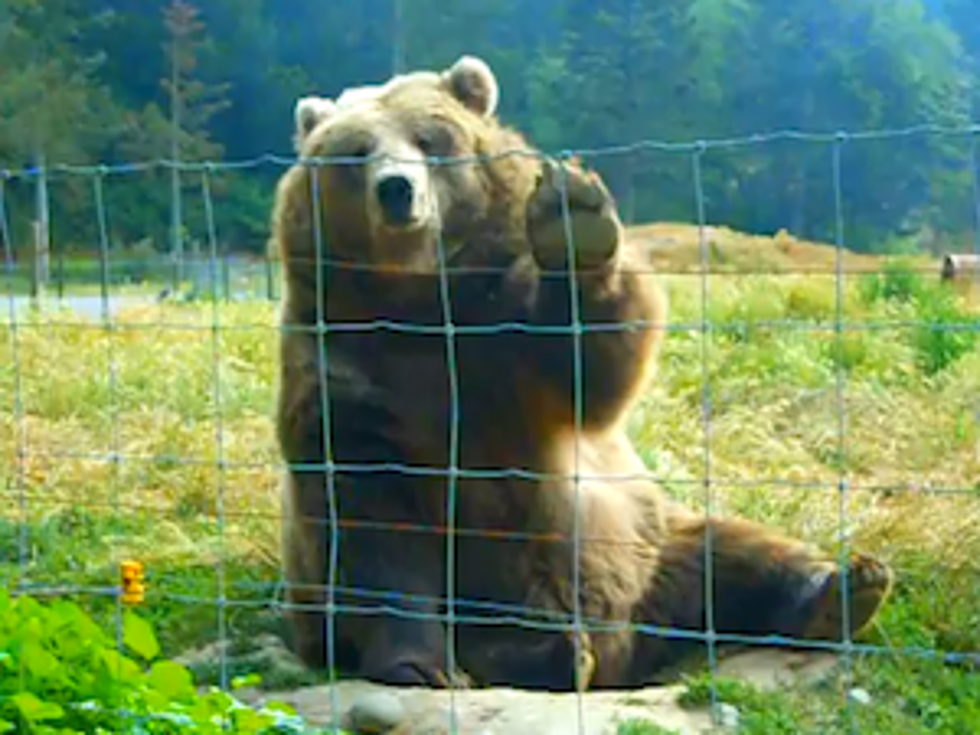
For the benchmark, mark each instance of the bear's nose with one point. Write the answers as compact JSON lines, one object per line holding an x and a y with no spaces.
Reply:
{"x":395,"y":197}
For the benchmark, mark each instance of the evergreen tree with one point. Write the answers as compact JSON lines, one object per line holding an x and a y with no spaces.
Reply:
{"x":574,"y":74}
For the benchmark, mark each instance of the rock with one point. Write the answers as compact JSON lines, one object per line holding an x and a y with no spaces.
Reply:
{"x":376,"y":712}
{"x":768,"y":668}
{"x":371,"y":708}
{"x":859,"y":696}
{"x":264,"y":654}
{"x":729,"y":715}
{"x":495,"y":711}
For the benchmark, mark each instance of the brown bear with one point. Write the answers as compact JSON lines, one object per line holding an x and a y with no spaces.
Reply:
{"x":447,"y":372}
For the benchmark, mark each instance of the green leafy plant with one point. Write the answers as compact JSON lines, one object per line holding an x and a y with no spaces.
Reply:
{"x":897,"y":281}
{"x":643,"y":727}
{"x":61,"y":672}
{"x":944,"y":331}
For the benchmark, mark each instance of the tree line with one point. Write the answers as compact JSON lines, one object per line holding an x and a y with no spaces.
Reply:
{"x":121,"y":81}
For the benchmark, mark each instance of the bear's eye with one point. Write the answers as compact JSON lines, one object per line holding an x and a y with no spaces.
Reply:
{"x":435,"y":140}
{"x":358,"y":145}
{"x":360,"y":150}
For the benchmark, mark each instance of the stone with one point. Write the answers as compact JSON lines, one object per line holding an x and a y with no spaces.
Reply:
{"x":372,"y":709}
{"x":376,"y":712}
{"x":859,"y":696}
{"x":729,"y":715}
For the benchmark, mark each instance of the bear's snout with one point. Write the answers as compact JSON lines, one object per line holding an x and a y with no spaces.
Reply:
{"x":396,"y":199}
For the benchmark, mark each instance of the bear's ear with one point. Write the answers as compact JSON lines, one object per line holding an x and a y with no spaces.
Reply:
{"x":310,"y":112}
{"x":472,"y":82}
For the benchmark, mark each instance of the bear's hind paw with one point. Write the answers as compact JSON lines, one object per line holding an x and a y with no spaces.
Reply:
{"x":869,"y":582}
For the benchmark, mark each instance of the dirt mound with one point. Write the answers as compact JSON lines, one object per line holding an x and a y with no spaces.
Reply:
{"x":677,"y":248}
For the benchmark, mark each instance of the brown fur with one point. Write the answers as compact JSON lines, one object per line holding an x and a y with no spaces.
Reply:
{"x":389,"y":402}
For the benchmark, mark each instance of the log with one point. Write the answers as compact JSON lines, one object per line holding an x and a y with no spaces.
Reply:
{"x":960,"y":265}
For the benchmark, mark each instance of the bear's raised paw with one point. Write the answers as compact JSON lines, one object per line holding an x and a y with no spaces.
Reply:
{"x":592,"y":230}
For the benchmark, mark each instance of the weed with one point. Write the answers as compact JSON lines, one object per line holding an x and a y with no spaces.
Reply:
{"x":63,"y":673}
{"x":897,"y":281}
{"x":944,"y":331}
{"x":642,"y":727}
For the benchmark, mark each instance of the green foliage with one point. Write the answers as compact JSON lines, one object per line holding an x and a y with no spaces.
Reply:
{"x":40,"y":49}
{"x":938,"y":701}
{"x":897,"y":281}
{"x":759,"y":712}
{"x":947,"y":332}
{"x":944,"y":331}
{"x":573,"y":73}
{"x":63,"y":673}
{"x":642,"y":727}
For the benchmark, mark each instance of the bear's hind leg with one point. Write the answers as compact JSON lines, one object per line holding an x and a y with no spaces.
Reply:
{"x":763,"y":584}
{"x":869,"y":584}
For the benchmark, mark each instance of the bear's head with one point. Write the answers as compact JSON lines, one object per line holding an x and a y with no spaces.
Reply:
{"x":391,"y":198}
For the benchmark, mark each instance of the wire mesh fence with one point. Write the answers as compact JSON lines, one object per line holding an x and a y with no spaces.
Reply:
{"x":835,"y":400}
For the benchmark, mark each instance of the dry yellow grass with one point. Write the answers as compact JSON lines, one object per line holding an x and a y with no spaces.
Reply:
{"x":168,"y":397}
{"x":676,"y":247}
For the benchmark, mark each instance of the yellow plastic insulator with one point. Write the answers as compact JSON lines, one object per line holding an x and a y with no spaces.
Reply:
{"x":133,"y":586}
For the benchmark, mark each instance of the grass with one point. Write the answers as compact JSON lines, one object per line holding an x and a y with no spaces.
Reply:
{"x":642,"y":727}
{"x":907,"y":374}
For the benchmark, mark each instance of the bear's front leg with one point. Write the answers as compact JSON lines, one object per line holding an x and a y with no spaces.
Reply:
{"x":304,"y":555}
{"x":409,"y":653}
{"x":619,"y":306}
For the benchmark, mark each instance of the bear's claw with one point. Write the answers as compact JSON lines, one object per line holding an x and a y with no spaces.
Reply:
{"x":585,"y":662}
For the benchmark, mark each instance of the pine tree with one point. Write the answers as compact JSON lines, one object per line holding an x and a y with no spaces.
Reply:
{"x":192,"y":105}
